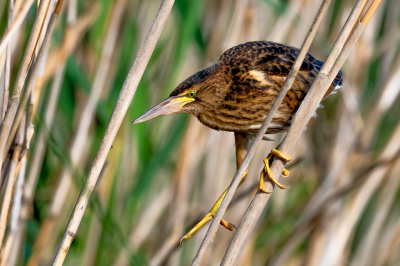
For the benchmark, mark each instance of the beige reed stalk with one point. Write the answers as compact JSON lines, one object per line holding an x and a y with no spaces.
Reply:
{"x":31,"y":82}
{"x":82,"y":132}
{"x":148,"y":221}
{"x":89,"y":108}
{"x":15,"y":214}
{"x":21,"y":128}
{"x":72,"y":36}
{"x":81,"y":135}
{"x":12,"y":174}
{"x":285,"y":88}
{"x":307,"y":108}
{"x":124,"y":99}
{"x":336,"y":244}
{"x":75,"y":27}
{"x":7,"y":65}
{"x":326,"y":193}
{"x":15,"y":26}
{"x":37,"y":157}
{"x":22,"y":73}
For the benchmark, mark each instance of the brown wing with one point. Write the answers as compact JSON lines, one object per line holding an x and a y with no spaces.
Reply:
{"x":265,"y":65}
{"x":272,"y":58}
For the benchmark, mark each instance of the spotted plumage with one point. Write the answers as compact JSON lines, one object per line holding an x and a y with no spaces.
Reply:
{"x":237,"y":92}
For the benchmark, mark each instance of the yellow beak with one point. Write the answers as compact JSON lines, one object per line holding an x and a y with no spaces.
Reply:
{"x":171,"y":105}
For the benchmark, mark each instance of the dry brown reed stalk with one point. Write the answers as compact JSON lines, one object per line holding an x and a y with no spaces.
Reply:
{"x":13,"y":257}
{"x":25,"y":125}
{"x":283,"y":24}
{"x":309,"y":105}
{"x":15,"y":26}
{"x":92,"y":243}
{"x":334,"y":246}
{"x":31,"y":82}
{"x":21,"y":76}
{"x":38,"y":155}
{"x":323,"y":197}
{"x":77,"y":150}
{"x":147,"y":223}
{"x":7,"y":65}
{"x":58,"y":203}
{"x":121,"y":106}
{"x":192,"y":150}
{"x":12,"y":175}
{"x":217,"y":176}
{"x":72,"y":13}
{"x":385,"y":200}
{"x":37,"y":158}
{"x":17,"y":5}
{"x":45,"y":25}
{"x":389,"y":244}
{"x":285,"y":88}
{"x":364,"y":143}
{"x":103,"y":192}
{"x":318,"y":200}
{"x":15,"y":215}
{"x":72,"y":37}
{"x":81,"y":133}
{"x":304,"y":224}
{"x":346,"y":152}
{"x":36,"y":91}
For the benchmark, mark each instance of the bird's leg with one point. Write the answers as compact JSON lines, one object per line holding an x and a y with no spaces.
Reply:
{"x":267,"y":172}
{"x":241,"y":141}
{"x":210,"y":215}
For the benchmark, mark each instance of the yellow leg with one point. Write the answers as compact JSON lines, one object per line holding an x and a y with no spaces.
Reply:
{"x":210,"y":215}
{"x":267,"y":172}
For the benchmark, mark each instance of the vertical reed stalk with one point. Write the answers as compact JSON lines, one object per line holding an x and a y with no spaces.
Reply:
{"x":285,"y":88}
{"x":12,"y":175}
{"x":334,"y":62}
{"x":117,"y":116}
{"x":31,"y":82}
{"x":22,"y":73}
{"x":7,"y":62}
{"x":14,"y":220}
{"x":15,"y":25}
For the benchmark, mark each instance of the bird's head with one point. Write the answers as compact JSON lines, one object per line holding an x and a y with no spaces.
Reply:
{"x":196,"y":94}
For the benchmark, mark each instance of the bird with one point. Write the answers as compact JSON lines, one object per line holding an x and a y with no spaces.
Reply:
{"x":236,"y":93}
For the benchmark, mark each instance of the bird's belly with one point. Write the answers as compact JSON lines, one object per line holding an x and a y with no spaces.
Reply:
{"x":242,"y":123}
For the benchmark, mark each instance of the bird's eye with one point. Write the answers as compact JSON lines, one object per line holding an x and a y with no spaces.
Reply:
{"x":192,"y":93}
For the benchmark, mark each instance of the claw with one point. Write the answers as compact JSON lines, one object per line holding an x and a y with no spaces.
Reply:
{"x":267,"y":171}
{"x":212,"y":240}
{"x":285,"y":173}
{"x":277,"y":153}
{"x":227,"y":225}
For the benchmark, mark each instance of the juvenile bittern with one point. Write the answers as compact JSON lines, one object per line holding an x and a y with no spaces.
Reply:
{"x":236,"y":94}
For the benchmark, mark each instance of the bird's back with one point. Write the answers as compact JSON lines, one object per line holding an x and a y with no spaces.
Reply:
{"x":257,"y":71}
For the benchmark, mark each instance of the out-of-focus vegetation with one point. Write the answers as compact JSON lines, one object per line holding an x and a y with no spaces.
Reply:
{"x":162,"y":176}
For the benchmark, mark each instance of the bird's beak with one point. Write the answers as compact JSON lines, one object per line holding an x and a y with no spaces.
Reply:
{"x":171,"y":105}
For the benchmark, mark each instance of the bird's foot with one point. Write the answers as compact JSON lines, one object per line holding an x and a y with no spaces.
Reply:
{"x":210,"y":215}
{"x":267,"y":172}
